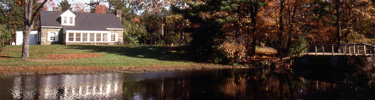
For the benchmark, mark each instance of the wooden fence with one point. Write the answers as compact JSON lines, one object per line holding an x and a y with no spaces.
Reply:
{"x":341,"y":49}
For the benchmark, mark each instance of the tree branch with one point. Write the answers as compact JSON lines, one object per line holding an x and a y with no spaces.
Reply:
{"x":29,"y":12}
{"x":36,"y":11}
{"x":26,"y":21}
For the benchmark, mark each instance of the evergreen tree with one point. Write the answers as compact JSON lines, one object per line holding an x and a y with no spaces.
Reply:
{"x":65,"y":5}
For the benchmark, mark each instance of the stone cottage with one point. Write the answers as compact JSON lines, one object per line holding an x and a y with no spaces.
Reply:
{"x":71,"y":28}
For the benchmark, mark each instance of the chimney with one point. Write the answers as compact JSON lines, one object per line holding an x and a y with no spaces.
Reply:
{"x":57,"y":9}
{"x":119,"y":13}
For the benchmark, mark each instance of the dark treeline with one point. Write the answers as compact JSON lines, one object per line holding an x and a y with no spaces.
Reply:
{"x":229,"y":31}
{"x":225,"y":31}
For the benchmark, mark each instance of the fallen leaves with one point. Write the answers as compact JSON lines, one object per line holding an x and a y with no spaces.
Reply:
{"x":72,"y":56}
{"x":30,"y":70}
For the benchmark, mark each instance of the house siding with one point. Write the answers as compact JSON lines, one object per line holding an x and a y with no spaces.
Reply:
{"x":44,"y":36}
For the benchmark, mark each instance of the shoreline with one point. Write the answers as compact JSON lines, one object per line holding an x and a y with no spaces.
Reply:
{"x":10,"y":71}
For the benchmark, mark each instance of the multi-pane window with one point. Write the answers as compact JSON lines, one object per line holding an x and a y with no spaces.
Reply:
{"x":71,"y":36}
{"x":113,"y":37}
{"x":105,"y":37}
{"x":52,"y":36}
{"x":78,"y":36}
{"x":65,"y":20}
{"x":98,"y":36}
{"x":92,"y":37}
{"x":70,"y":20}
{"x":84,"y":36}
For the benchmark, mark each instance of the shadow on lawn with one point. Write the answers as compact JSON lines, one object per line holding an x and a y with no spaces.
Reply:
{"x":8,"y":57}
{"x":153,"y":52}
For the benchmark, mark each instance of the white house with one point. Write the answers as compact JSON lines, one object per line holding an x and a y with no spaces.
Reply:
{"x":73,"y":28}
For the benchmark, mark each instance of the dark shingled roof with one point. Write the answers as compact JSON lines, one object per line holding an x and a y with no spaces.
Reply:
{"x":83,"y":21}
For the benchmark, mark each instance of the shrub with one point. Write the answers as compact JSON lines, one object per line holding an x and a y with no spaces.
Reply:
{"x":298,"y":45}
{"x":234,"y":51}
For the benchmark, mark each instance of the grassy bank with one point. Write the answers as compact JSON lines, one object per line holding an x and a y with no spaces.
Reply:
{"x":47,"y":59}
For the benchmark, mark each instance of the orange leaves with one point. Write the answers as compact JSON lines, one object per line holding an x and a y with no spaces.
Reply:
{"x":21,"y":2}
{"x":100,"y":9}
{"x":234,"y":50}
{"x":72,"y":56}
{"x":136,"y":20}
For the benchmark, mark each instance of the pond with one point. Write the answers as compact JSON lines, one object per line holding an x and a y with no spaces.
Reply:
{"x":223,"y":84}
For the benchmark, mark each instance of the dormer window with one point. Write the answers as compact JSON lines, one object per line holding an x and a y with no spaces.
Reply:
{"x":71,"y":20}
{"x":68,"y":18}
{"x":65,"y":20}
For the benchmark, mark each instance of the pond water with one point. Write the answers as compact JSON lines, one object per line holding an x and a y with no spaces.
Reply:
{"x":224,"y":84}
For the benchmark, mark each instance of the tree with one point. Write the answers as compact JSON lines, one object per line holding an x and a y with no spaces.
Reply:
{"x":281,"y":28}
{"x":65,"y":5}
{"x":29,"y":20}
{"x":100,"y":9}
{"x":253,"y":7}
{"x":49,"y":5}
{"x":116,"y":4}
{"x":11,"y":16}
{"x":92,"y":5}
{"x":338,"y":22}
{"x":80,"y":7}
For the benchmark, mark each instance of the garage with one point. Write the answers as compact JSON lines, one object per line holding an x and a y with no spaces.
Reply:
{"x":33,"y":39}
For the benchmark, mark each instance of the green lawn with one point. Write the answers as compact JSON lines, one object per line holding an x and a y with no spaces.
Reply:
{"x":112,"y":56}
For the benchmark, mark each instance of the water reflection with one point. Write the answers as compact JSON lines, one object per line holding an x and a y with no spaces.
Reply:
{"x":229,"y":84}
{"x":264,"y":84}
{"x":100,"y":86}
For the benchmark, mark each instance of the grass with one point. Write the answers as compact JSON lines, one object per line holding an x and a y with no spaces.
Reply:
{"x":112,"y":59}
{"x":112,"y":56}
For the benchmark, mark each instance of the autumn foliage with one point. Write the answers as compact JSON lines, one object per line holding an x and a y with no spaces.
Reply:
{"x":100,"y":9}
{"x":286,"y":25}
{"x":230,"y":31}
{"x":80,"y":7}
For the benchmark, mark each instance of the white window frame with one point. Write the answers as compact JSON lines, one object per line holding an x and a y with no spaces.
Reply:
{"x":49,"y":34}
{"x":110,"y":37}
{"x":67,"y":36}
{"x":71,"y":20}
{"x":67,"y":19}
{"x":88,"y":36}
{"x":64,"y":20}
{"x":80,"y":36}
{"x":101,"y":37}
{"x":105,"y":37}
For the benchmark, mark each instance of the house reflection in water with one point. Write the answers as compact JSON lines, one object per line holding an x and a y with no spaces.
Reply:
{"x":98,"y":86}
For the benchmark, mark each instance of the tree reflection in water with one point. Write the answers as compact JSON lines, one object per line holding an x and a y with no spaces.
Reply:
{"x":68,"y":87}
{"x":228,"y":84}
{"x":264,"y":84}
{"x":240,"y":84}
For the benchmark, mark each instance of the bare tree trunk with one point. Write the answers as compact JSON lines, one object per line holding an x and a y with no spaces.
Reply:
{"x":27,"y":28}
{"x":182,"y":34}
{"x":253,"y":15}
{"x":281,"y":25}
{"x":109,"y":6}
{"x":290,"y":35}
{"x":29,"y":19}
{"x":338,"y":24}
{"x":25,"y":47}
